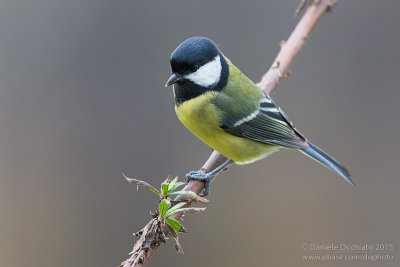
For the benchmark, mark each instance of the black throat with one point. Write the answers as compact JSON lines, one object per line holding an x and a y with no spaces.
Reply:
{"x":185,"y":90}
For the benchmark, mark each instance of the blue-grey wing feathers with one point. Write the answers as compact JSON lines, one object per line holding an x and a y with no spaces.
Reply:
{"x":267,"y":124}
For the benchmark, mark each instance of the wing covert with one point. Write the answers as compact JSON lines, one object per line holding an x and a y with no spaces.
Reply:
{"x":267,"y":124}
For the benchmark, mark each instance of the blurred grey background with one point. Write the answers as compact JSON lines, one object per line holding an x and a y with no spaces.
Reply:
{"x":82,"y":99}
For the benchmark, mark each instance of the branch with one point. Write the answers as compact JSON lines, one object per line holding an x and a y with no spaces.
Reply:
{"x":279,"y":70}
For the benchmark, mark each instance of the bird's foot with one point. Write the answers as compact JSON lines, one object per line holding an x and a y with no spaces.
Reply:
{"x":207,"y":177}
{"x":201,"y":176}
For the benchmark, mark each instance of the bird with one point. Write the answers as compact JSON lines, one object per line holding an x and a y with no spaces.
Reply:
{"x":230,"y":113}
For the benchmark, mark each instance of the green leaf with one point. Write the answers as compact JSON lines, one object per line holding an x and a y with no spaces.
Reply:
{"x":164,"y":205}
{"x":175,"y":186}
{"x":155,"y":191}
{"x":172,"y":210}
{"x":174,"y":224}
{"x":172,"y":183}
{"x":164,"y":189}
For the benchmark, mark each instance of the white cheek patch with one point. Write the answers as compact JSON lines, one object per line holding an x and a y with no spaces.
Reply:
{"x":207,"y":74}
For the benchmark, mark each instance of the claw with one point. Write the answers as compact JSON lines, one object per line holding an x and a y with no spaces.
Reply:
{"x":206,"y":191}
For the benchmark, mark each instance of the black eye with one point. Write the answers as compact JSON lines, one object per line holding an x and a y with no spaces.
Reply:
{"x":194,"y":68}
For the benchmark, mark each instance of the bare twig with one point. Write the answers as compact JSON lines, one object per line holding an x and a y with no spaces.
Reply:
{"x":279,"y":70}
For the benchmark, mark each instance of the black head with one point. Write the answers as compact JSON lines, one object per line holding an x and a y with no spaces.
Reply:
{"x":197,"y":66}
{"x":191,"y":54}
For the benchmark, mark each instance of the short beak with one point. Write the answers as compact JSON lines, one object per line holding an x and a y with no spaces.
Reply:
{"x":173,"y":79}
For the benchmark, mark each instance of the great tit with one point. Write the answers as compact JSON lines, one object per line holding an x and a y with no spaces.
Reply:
{"x":228,"y":112}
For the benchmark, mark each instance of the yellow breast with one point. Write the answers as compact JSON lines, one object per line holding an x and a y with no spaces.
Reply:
{"x":202,"y":118}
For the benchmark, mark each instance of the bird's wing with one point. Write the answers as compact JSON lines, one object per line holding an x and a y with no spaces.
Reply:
{"x":266,"y":123}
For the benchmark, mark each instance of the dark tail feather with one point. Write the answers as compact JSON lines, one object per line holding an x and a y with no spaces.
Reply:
{"x":322,"y":157}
